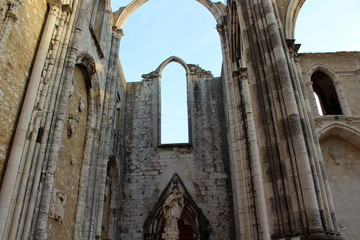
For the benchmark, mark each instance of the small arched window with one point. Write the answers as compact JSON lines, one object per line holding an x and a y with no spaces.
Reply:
{"x":324,"y":89}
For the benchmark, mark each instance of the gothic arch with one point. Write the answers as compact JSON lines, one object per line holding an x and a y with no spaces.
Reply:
{"x":135,"y":4}
{"x":191,"y":215}
{"x":329,"y":72}
{"x":170,"y":60}
{"x":88,"y":67}
{"x":292,"y":13}
{"x":87,"y":64}
{"x":323,"y":68}
{"x":346,"y":132}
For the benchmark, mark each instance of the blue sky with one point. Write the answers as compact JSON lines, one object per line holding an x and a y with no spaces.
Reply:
{"x":184,"y":28}
{"x":329,"y":26}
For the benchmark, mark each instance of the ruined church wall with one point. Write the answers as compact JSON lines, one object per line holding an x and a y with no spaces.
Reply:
{"x":339,"y":145}
{"x":15,"y":63}
{"x":202,"y":166}
{"x":345,"y":67}
{"x":62,"y":213}
{"x":342,"y":161}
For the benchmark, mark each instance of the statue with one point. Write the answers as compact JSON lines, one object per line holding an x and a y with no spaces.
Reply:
{"x":72,"y":123}
{"x":173,"y":206}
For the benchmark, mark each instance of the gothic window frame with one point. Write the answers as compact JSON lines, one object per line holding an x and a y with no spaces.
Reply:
{"x":340,"y":93}
{"x":158,"y":74}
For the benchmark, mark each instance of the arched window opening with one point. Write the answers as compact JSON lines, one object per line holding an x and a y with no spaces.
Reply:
{"x":183,"y":28}
{"x":174,"y":109}
{"x":319,"y":30}
{"x":325,"y":91}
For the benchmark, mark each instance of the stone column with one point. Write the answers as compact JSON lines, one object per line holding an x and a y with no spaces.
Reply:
{"x":286,"y":149}
{"x":8,"y":194}
{"x":342,"y":97}
{"x":314,"y":106}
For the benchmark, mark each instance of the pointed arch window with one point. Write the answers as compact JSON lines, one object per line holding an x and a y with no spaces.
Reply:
{"x":324,"y":89}
{"x":174,"y":117}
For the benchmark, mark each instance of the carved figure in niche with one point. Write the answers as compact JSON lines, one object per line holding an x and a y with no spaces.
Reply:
{"x":335,"y":154}
{"x":82,"y":103}
{"x":173,"y":207}
{"x":72,"y":124}
{"x":72,"y":159}
{"x":57,"y":207}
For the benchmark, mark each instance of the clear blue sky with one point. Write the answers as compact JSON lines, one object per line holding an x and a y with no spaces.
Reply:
{"x":185,"y":28}
{"x":329,"y":26}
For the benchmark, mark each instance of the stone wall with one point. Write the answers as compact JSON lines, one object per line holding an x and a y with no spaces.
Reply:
{"x":342,"y":67}
{"x":15,"y":63}
{"x":202,"y":166}
{"x":62,"y":215}
{"x":339,"y":134}
{"x":343,"y":167}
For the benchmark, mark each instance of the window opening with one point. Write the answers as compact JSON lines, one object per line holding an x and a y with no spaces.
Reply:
{"x":174,"y":108}
{"x":318,"y":104}
{"x":183,"y":28}
{"x":325,"y":91}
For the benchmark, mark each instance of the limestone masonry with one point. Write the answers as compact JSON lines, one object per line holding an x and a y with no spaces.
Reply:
{"x":81,"y":155}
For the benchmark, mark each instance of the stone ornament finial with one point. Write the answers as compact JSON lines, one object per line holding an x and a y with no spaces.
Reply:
{"x":173,"y":207}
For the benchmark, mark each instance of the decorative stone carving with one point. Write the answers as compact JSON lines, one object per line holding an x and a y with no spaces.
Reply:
{"x":57,"y":207}
{"x":335,"y":154}
{"x":173,"y":207}
{"x":72,"y":124}
{"x":150,"y":76}
{"x":82,"y":103}
{"x":72,"y":159}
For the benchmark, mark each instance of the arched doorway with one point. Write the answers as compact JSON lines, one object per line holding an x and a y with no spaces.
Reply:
{"x":193,"y":224}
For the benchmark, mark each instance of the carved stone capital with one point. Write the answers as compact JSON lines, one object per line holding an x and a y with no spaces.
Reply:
{"x":117,"y":32}
{"x":293,"y":48}
{"x":241,"y":74}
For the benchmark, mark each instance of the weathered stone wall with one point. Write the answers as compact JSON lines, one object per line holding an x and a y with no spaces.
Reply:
{"x":339,"y":134}
{"x":343,"y":168}
{"x":342,"y":67}
{"x":15,"y":62}
{"x":70,"y":161}
{"x":202,"y":166}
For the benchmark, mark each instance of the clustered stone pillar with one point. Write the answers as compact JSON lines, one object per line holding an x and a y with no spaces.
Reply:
{"x":8,"y":194}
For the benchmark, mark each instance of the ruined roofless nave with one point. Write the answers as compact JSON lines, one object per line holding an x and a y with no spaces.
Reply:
{"x":81,"y":155}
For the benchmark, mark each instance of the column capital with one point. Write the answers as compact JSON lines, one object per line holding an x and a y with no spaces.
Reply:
{"x":241,"y":74}
{"x":55,"y":3}
{"x":118,"y":32}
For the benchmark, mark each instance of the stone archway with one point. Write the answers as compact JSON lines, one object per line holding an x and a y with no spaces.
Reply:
{"x":193,"y":221}
{"x":126,"y":12}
